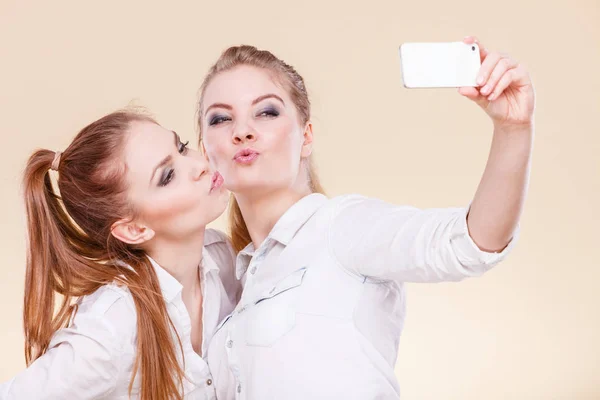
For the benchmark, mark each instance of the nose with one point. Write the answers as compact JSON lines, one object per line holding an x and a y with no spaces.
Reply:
{"x":243,"y":133}
{"x":199,"y":166}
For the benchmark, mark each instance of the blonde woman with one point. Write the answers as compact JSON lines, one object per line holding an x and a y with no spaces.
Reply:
{"x":323,"y":303}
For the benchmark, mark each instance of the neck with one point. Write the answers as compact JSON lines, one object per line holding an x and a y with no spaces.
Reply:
{"x":262,"y":211}
{"x":181,"y":259}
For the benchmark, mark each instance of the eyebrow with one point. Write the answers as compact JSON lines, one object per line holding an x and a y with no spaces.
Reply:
{"x":165,"y":160}
{"x":254,"y":102}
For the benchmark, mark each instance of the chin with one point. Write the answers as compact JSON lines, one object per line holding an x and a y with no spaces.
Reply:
{"x":252,"y":189}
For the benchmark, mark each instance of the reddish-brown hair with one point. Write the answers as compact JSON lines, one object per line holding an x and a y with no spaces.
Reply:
{"x":293,"y":82}
{"x":71,"y":251}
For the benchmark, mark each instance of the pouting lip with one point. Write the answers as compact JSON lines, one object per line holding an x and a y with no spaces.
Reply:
{"x":245,"y":153}
{"x":217,"y":181}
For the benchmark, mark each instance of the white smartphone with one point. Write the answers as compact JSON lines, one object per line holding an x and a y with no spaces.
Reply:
{"x":439,"y":65}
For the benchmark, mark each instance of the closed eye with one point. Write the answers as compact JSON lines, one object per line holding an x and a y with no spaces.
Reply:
{"x":167,"y":176}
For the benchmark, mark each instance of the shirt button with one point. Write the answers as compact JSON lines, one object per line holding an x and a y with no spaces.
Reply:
{"x":230,"y":343}
{"x":239,"y":388}
{"x":209,"y":382}
{"x":253,"y":270}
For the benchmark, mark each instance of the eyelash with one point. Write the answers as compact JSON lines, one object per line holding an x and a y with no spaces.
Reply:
{"x":270,"y":112}
{"x":219,"y":119}
{"x":182,"y":148}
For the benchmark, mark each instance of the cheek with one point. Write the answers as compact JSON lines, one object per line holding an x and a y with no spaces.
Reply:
{"x":288,"y":141}
{"x":167,"y":207}
{"x":216,"y":149}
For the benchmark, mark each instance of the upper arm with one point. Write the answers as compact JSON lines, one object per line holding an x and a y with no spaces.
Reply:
{"x":84,"y":360}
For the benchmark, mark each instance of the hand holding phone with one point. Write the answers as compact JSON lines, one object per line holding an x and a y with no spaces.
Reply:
{"x":440,"y":65}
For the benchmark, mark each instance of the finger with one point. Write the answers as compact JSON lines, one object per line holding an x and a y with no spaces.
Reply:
{"x":487,"y":66}
{"x":503,"y":65}
{"x":504,"y":82}
{"x":513,"y":77}
{"x":521,"y":77}
{"x":483,"y":53}
{"x":469,"y":92}
{"x":474,"y":95}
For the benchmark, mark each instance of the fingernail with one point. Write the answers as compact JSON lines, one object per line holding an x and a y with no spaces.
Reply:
{"x":479,"y":80}
{"x":485,"y":90}
{"x":491,"y":97}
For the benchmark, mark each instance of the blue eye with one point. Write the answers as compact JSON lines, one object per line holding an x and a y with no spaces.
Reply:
{"x":218,"y":119}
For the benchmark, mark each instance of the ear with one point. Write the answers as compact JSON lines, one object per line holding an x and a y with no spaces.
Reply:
{"x":308,"y":140}
{"x":131,"y":232}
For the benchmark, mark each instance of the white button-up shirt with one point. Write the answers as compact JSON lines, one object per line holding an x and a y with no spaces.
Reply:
{"x":323,"y":304}
{"x":93,"y":358}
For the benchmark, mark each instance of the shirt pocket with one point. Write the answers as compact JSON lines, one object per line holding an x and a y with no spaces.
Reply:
{"x":272,"y":315}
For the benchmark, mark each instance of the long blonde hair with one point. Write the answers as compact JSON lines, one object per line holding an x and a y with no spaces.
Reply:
{"x":248,"y":55}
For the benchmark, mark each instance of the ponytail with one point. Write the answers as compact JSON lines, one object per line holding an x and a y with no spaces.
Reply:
{"x":71,"y":253}
{"x":49,"y":255}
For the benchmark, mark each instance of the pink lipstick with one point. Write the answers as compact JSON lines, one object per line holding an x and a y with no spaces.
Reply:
{"x":217,"y":181}
{"x":246,"y":156}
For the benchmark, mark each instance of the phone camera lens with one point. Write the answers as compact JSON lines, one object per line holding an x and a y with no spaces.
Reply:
{"x":473,"y":48}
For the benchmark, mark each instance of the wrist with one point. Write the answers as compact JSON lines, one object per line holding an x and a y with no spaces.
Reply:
{"x":522,"y":129}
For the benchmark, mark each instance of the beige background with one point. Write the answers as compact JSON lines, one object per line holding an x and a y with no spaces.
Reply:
{"x":530,"y":329}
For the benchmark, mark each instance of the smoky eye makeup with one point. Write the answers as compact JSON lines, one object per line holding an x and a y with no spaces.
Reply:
{"x":168,"y":172}
{"x":217,"y":118}
{"x":167,"y":176}
{"x":269,"y":111}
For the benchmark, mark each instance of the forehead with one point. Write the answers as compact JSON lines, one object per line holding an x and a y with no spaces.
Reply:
{"x":147,"y":144}
{"x":243,"y":84}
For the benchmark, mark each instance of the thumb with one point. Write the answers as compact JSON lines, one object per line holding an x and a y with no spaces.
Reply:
{"x":473,"y":94}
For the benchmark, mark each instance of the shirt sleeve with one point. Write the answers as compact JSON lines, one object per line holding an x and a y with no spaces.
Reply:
{"x":83,"y":360}
{"x":378,"y":240}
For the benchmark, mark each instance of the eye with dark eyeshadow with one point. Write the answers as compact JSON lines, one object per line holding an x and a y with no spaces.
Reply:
{"x":167,"y":176}
{"x":169,"y":173}
{"x":269,"y":112}
{"x":218,"y":119}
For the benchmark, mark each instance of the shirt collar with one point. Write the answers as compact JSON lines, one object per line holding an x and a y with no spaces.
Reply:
{"x":285,"y":229}
{"x":170,"y":286}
